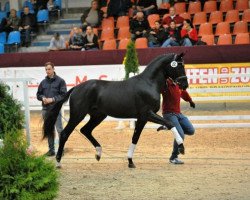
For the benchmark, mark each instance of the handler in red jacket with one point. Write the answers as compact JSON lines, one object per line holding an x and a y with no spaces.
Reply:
{"x":172,"y":95}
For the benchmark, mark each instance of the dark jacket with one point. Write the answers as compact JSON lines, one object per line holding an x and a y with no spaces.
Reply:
{"x":174,"y":33}
{"x":146,"y":3}
{"x":136,"y":25}
{"x":118,"y":7}
{"x":51,"y":88}
{"x":31,"y":20}
{"x":77,"y":40}
{"x":95,"y":41}
{"x":160,"y":36}
{"x":85,"y":15}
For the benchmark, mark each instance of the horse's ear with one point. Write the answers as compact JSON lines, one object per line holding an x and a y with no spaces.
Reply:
{"x":180,"y":56}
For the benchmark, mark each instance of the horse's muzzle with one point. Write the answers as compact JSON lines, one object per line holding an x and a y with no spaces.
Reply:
{"x":182,"y":82}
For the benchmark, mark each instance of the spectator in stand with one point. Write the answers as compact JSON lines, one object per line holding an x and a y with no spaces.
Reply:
{"x":173,"y":17}
{"x":102,"y":3}
{"x":76,"y":42}
{"x":146,"y":6}
{"x":139,"y":26}
{"x":90,"y":40}
{"x":92,"y":16}
{"x":41,"y":4}
{"x":188,"y":34}
{"x":174,"y":36}
{"x":57,"y":43}
{"x":52,"y":8}
{"x":11,"y":23}
{"x":27,"y":24}
{"x":118,"y":8}
{"x":157,"y":35}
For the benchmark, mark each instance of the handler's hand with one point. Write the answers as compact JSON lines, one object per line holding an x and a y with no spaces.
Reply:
{"x":161,"y":128}
{"x":192,"y":104}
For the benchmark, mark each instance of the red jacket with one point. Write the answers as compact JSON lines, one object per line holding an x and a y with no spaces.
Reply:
{"x":172,"y":95}
{"x":177,"y":19}
{"x":192,"y":34}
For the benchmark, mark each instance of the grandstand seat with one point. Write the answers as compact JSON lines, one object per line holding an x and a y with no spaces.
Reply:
{"x":123,"y":33}
{"x":210,"y":6}
{"x":30,"y":5}
{"x":226,"y":5}
{"x":225,"y":39}
{"x":108,"y":23}
{"x":241,"y":5}
{"x":240,"y":27}
{"x":152,"y":19}
{"x":14,"y":37}
{"x":194,"y":7}
{"x":180,"y":7}
{"x":141,"y":43}
{"x":7,"y":7}
{"x":209,"y":39}
{"x":109,"y":44}
{"x":242,"y":38}
{"x":205,"y":29}
{"x":123,"y":43}
{"x":1,"y":48}
{"x":199,"y":18}
{"x":19,"y":13}
{"x":166,"y":15}
{"x":43,"y":16}
{"x":107,"y":33}
{"x":216,"y":17}
{"x":164,"y":5}
{"x":122,"y":21}
{"x":185,"y":15}
{"x":232,"y":16}
{"x":222,"y":28}
{"x":3,"y":37}
{"x":3,"y":14}
{"x":58,"y":3}
{"x":246,"y":15}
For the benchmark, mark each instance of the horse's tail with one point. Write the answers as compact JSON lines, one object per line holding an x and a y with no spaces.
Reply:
{"x":51,"y":116}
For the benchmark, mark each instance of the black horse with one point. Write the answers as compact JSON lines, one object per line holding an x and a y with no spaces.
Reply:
{"x":138,"y":97}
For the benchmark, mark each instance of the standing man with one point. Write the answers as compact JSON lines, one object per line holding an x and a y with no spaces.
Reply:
{"x":172,"y":95}
{"x":51,"y":90}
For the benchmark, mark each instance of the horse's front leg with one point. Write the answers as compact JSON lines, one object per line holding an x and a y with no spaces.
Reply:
{"x":153,"y":117}
{"x":137,"y":132}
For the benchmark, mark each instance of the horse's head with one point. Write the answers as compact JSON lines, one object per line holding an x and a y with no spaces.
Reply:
{"x":176,"y":71}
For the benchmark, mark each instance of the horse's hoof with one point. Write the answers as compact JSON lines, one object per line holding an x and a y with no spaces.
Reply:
{"x":181,"y":149}
{"x":131,"y":165}
{"x":58,"y":165}
{"x":97,"y":157}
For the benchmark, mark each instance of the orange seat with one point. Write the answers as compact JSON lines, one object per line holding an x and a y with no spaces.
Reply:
{"x":141,"y":43}
{"x":226,"y":5}
{"x":246,"y":15}
{"x":242,"y":38}
{"x":180,"y":7}
{"x":164,"y":5}
{"x":123,"y":43}
{"x":123,"y":33}
{"x":222,"y":28}
{"x":199,"y":18}
{"x":108,"y":23}
{"x":122,"y":21}
{"x":152,"y":19}
{"x":232,"y":16}
{"x":185,"y":16}
{"x":194,"y":7}
{"x":210,"y":6}
{"x":225,"y":39}
{"x":216,"y":17}
{"x":241,"y":5}
{"x":107,"y":33}
{"x":95,"y":30}
{"x":205,"y":29}
{"x":240,"y":27}
{"x":109,"y":45}
{"x":166,"y":15}
{"x":209,"y":39}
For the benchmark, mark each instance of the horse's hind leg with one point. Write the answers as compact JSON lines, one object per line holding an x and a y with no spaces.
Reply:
{"x":137,"y":132}
{"x":87,"y":129}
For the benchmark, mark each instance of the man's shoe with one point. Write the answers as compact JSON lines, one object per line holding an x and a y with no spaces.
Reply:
{"x":49,"y":153}
{"x":176,"y":161}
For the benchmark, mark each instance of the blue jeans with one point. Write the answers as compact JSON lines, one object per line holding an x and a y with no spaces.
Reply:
{"x":170,"y":42}
{"x":183,"y":126}
{"x":187,"y":42}
{"x":59,"y":128}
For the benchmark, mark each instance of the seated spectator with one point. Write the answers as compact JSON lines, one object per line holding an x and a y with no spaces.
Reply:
{"x":174,"y":36}
{"x":53,"y":9}
{"x":173,"y":17}
{"x":27,"y":24}
{"x":57,"y":43}
{"x":139,"y":26}
{"x":76,"y":42}
{"x":11,"y":23}
{"x":90,"y":40}
{"x":92,"y":16}
{"x":146,"y":6}
{"x":118,"y":8}
{"x":157,"y":35}
{"x":188,"y":34}
{"x":41,"y":4}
